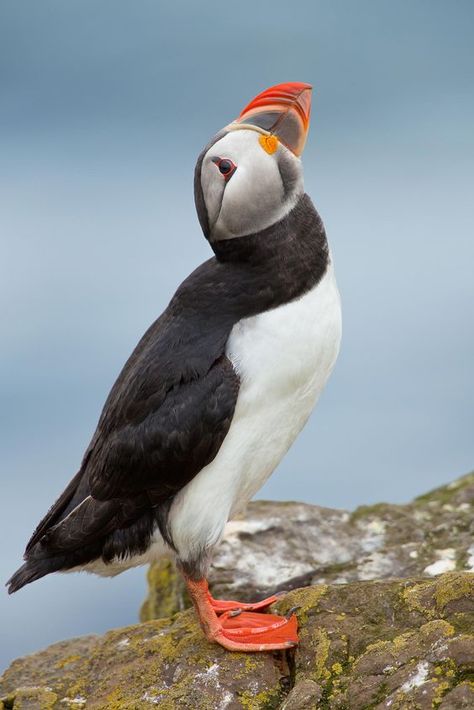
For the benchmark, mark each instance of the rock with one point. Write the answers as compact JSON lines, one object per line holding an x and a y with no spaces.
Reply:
{"x":461,"y":697}
{"x":395,"y":644}
{"x":305,"y":694}
{"x":386,"y":617}
{"x":281,"y":546}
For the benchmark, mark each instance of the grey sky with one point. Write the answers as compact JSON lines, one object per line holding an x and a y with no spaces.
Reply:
{"x":104,"y":107}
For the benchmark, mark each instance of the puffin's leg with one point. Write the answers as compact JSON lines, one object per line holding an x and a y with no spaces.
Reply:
{"x":241,"y":631}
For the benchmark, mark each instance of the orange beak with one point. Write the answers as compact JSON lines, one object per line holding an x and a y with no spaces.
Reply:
{"x":282,"y":111}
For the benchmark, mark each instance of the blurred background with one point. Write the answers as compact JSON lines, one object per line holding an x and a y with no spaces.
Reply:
{"x":104,"y":107}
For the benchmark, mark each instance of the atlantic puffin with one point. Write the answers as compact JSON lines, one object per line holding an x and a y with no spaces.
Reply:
{"x":220,"y":385}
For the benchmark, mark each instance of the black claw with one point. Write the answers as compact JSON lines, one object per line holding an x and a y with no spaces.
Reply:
{"x":235,"y":612}
{"x":290,"y":613}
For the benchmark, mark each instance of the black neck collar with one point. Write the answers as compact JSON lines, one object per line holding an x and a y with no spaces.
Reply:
{"x":257,"y":272}
{"x":301,"y":226}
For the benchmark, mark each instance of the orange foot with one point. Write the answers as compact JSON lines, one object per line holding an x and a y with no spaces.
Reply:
{"x":238,"y":630}
{"x":221,"y":605}
{"x":248,"y":631}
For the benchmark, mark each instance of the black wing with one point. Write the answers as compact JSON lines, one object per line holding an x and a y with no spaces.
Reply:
{"x":163,"y":450}
{"x":164,"y":420}
{"x":144,"y":462}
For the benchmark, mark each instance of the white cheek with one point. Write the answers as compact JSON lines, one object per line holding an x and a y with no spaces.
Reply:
{"x":252,"y":197}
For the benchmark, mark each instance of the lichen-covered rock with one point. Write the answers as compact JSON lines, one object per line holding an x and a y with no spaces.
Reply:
{"x":281,"y":546}
{"x":392,"y":643}
{"x":306,"y":694}
{"x":397,"y":644}
{"x":167,"y":594}
{"x":166,"y":663}
{"x":401,"y":644}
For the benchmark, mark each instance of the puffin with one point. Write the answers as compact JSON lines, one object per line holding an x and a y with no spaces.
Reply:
{"x":219,"y":386}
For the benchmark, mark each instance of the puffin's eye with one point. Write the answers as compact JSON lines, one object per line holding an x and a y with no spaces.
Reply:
{"x":226,"y":167}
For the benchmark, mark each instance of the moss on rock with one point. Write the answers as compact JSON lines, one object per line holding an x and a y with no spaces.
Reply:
{"x":450,"y":494}
{"x":363,"y":645}
{"x":167,"y":591}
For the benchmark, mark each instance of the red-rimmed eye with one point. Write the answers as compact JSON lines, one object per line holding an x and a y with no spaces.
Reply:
{"x":226,"y":167}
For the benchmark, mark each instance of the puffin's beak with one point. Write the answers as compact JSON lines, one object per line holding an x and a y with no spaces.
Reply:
{"x":282,"y":111}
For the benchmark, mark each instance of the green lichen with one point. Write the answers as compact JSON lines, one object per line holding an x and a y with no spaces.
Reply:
{"x":34,"y":697}
{"x":391,"y":646}
{"x":380,"y":696}
{"x":444,"y":494}
{"x":305,"y":600}
{"x":250,"y":662}
{"x":440,"y":691}
{"x":432,"y":597}
{"x":463,"y":622}
{"x":321,"y":645}
{"x":66,"y":661}
{"x":453,"y":586}
{"x":417,"y":598}
{"x":436,"y":629}
{"x":335,"y":569}
{"x":377,"y":510}
{"x":166,"y":592}
{"x":167,"y":662}
{"x":115,"y":700}
{"x":264,"y":700}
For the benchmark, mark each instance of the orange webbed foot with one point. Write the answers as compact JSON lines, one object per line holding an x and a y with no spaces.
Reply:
{"x":239,"y":626}
{"x":220,"y":605}
{"x":249,"y":631}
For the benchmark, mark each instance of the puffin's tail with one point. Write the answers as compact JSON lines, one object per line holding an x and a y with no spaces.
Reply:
{"x":31,"y":570}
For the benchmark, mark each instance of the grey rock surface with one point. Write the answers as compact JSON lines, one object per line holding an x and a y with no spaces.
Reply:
{"x":398,"y":644}
{"x":403,"y":641}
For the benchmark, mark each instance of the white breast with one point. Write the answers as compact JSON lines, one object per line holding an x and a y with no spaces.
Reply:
{"x":284,"y":358}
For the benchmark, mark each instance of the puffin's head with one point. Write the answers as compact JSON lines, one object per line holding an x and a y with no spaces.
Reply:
{"x":250,"y":175}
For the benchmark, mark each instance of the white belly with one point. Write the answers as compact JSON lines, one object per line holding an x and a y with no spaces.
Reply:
{"x":284,"y":358}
